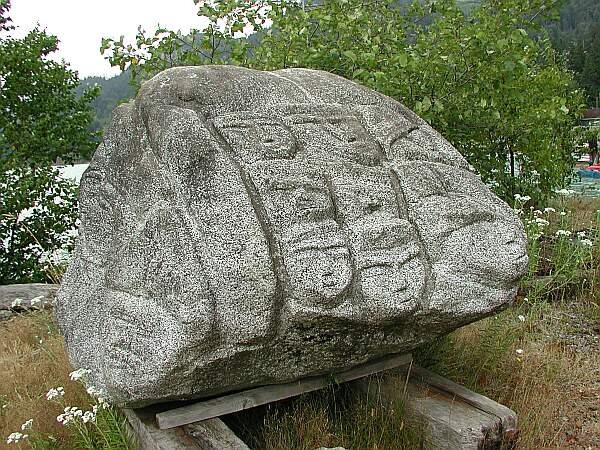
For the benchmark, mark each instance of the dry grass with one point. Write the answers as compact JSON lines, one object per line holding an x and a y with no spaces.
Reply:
{"x":28,"y":369}
{"x":583,"y":210}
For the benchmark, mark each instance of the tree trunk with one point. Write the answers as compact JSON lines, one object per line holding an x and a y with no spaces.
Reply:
{"x":512,"y":163}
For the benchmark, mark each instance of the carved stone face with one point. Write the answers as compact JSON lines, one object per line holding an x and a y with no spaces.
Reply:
{"x":242,"y":228}
{"x":487,"y":251}
{"x":389,"y":269}
{"x":314,"y":249}
{"x":257,"y":140}
{"x":340,"y":136}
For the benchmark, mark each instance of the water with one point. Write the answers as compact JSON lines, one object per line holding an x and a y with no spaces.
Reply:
{"x":73,"y":172}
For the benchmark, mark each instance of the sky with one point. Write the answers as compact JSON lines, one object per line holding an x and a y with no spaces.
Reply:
{"x":81,"y":24}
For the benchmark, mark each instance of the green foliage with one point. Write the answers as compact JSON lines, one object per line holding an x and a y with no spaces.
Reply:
{"x":577,"y":19}
{"x":561,"y":249}
{"x":102,"y":427}
{"x":42,"y":121}
{"x":577,"y":35}
{"x":37,"y":212}
{"x":583,"y":135}
{"x":584,"y":59}
{"x":4,"y":19}
{"x":501,"y":96}
{"x":215,"y":44}
{"x":108,"y":432}
{"x":41,"y":118}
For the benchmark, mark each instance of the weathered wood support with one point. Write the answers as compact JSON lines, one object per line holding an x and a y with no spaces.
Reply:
{"x":268,"y":394}
{"x":210,"y":434}
{"x":449,"y":415}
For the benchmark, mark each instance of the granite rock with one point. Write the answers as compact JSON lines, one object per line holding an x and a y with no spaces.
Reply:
{"x":242,"y":228}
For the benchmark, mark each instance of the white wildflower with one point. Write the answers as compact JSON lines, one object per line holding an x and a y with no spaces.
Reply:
{"x":566,"y":192}
{"x":27,"y":424}
{"x":64,"y":418}
{"x":562,"y":213}
{"x":519,"y":351}
{"x":53,"y":393}
{"x":537,"y":212}
{"x":68,"y":415}
{"x":36,"y":300}
{"x":522,"y":198}
{"x":89,"y":416}
{"x":78,"y":374}
{"x":549,"y":210}
{"x":586,"y":242}
{"x":16,"y":302}
{"x":521,"y":317}
{"x":99,"y":395}
{"x":541,"y":222}
{"x":581,"y":234}
{"x":93,"y":391}
{"x":16,"y":437}
{"x":563,"y":233}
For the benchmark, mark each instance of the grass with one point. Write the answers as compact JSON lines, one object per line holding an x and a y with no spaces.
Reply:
{"x":333,"y":417}
{"x":539,"y":384}
{"x":33,"y":360}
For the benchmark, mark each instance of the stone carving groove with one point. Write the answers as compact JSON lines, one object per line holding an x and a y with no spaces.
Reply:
{"x":242,"y":228}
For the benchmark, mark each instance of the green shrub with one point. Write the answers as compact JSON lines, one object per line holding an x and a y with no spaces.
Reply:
{"x":38,"y":215}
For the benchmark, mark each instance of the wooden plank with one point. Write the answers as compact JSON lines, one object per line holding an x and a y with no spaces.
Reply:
{"x":450,"y":416}
{"x":266,"y":394}
{"x":506,"y":415}
{"x":211,"y":434}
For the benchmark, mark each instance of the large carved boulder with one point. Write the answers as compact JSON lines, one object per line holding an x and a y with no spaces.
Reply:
{"x":242,"y":228}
